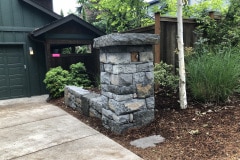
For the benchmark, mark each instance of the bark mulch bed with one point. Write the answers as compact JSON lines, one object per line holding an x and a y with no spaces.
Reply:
{"x":203,"y":131}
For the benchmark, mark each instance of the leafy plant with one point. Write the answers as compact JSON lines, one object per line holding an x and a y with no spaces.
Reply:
{"x":55,"y":80}
{"x":213,"y":77}
{"x":224,"y":32}
{"x":118,"y":15}
{"x":78,"y":75}
{"x":165,"y":78}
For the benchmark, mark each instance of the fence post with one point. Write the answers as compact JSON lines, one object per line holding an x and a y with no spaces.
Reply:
{"x":157,"y":28}
{"x":211,"y":14}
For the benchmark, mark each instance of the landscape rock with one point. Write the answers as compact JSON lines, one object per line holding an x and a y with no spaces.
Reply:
{"x":117,"y":39}
{"x":146,"y":142}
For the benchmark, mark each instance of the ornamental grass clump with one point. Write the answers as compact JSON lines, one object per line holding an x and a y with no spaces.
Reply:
{"x":213,"y":77}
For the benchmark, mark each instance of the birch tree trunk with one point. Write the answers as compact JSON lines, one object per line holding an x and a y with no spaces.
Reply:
{"x":182,"y":74}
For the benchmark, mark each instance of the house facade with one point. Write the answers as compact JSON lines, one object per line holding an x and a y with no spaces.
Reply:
{"x":24,"y":57}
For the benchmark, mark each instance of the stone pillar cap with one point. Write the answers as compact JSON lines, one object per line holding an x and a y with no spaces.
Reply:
{"x":120,"y":39}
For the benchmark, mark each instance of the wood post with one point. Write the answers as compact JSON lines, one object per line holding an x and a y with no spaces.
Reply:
{"x":48,"y":55}
{"x":211,"y":14}
{"x":157,"y":30}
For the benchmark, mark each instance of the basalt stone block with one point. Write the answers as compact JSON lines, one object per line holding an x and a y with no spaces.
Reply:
{"x":71,"y":93}
{"x":102,"y":67}
{"x":121,"y":108}
{"x":128,"y":68}
{"x":118,"y":58}
{"x":103,"y":57}
{"x":86,"y":102}
{"x":107,"y":113}
{"x":139,"y":77}
{"x":143,"y":117}
{"x":94,"y":113}
{"x":108,"y":68}
{"x":135,"y":105}
{"x":143,"y":78}
{"x":123,"y":119}
{"x":105,"y":78}
{"x":77,"y":90}
{"x":116,"y":127}
{"x":145,"y":67}
{"x":127,"y":49}
{"x":121,"y":90}
{"x":106,"y":121}
{"x":146,"y":56}
{"x":122,"y":79}
{"x":144,"y":91}
{"x":150,"y":102}
{"x":118,"y":107}
{"x":96,"y":103}
{"x":150,"y":77}
{"x":104,"y":100}
{"x":107,"y":94}
{"x":120,"y":98}
{"x":119,"y":39}
{"x":105,"y":88}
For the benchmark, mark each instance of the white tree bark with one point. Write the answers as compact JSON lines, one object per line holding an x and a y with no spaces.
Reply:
{"x":182,"y":74}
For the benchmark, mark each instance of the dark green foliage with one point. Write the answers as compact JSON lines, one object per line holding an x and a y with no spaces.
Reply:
{"x":78,"y":75}
{"x":224,"y":32}
{"x":213,"y":70}
{"x":165,"y":78}
{"x":118,"y":15}
{"x":55,"y":80}
{"x":214,"y":76}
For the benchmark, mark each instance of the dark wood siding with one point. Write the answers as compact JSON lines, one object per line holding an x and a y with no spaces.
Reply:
{"x":17,"y":20}
{"x":16,"y":13}
{"x":168,"y":37}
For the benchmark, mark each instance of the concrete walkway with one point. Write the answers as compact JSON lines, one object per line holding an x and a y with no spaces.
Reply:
{"x":30,"y":129}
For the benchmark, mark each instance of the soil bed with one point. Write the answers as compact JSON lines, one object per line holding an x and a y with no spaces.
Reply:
{"x":203,"y":131}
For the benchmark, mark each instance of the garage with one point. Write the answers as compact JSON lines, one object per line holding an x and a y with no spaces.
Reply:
{"x":13,"y":73}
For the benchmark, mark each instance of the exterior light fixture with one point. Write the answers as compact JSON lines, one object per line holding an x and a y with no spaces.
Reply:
{"x":31,"y":51}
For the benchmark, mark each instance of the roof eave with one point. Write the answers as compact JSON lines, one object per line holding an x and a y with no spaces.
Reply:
{"x":59,"y":22}
{"x":45,"y":10}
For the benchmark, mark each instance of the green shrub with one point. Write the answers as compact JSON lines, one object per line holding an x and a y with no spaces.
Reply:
{"x":55,"y":80}
{"x":213,"y":77}
{"x":79,"y":76}
{"x":165,"y":78}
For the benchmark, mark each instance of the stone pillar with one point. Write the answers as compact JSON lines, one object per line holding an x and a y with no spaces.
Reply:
{"x":127,"y":80}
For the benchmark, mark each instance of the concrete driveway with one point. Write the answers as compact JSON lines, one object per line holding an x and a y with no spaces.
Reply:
{"x":30,"y":128}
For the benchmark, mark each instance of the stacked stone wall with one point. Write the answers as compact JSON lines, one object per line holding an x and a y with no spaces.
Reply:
{"x":88,"y":103}
{"x":128,"y":86}
{"x":127,"y":83}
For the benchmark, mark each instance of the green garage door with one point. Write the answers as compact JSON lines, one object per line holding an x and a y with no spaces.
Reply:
{"x":12,"y":72}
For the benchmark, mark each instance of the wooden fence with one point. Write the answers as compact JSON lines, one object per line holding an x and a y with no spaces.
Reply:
{"x":166,"y":27}
{"x":90,"y":60}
